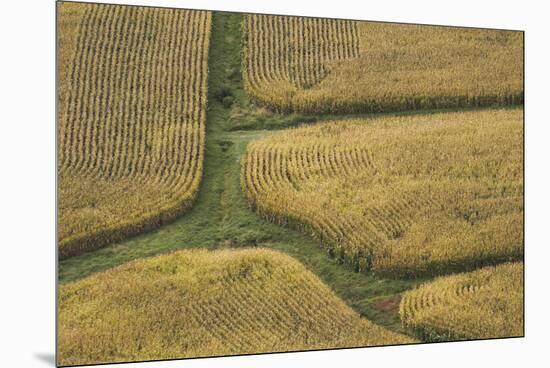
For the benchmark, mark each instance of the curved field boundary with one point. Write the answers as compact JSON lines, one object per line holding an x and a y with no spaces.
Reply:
{"x":131,"y":120}
{"x":285,"y":54}
{"x":202,"y":303}
{"x":487,"y":303}
{"x":402,"y":196}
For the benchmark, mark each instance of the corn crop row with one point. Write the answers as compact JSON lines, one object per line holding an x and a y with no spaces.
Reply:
{"x":486,"y":303}
{"x":309,"y":65}
{"x":202,"y":303}
{"x":402,"y":196}
{"x":131,"y":120}
{"x":285,"y":54}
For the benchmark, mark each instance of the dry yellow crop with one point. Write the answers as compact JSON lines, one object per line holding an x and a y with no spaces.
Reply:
{"x":486,"y":303}
{"x":132,"y":99}
{"x":400,"y":195}
{"x":322,"y":65}
{"x":201,"y":303}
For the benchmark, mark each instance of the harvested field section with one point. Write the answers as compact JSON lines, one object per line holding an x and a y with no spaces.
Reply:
{"x":203,"y":303}
{"x":403,"y":195}
{"x":131,"y":119}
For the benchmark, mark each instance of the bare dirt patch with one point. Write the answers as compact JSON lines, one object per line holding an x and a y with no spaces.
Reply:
{"x":390,"y":304}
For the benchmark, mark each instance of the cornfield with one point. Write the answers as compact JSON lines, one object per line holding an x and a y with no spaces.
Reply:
{"x":338,"y":66}
{"x":395,"y":196}
{"x":398,"y":195}
{"x":202,"y":303}
{"x":486,"y":303}
{"x":132,"y":99}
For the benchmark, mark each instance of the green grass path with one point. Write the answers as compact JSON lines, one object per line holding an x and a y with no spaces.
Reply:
{"x":220,"y":217}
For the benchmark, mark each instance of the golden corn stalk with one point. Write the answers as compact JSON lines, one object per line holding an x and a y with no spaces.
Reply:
{"x":398,"y":195}
{"x":132,"y":99}
{"x":201,"y":303}
{"x":340,"y":66}
{"x":486,"y":303}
